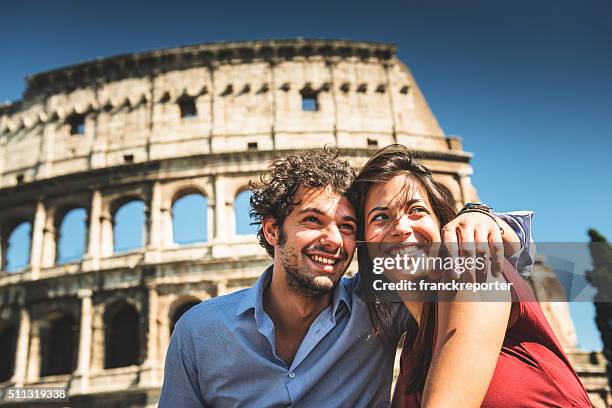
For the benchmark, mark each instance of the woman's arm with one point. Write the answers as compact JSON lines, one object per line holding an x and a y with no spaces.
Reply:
{"x":469,"y":338}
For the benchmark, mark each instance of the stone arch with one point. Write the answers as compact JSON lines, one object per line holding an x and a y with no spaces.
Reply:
{"x":122,"y":335}
{"x":16,"y":247}
{"x":70,"y":240}
{"x":179,"y":307}
{"x":189,"y":213}
{"x":242,"y":219}
{"x":8,"y":344}
{"x":129,"y":220}
{"x":59,"y":345}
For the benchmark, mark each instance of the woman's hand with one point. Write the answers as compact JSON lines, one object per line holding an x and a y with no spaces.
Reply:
{"x":474,"y":234}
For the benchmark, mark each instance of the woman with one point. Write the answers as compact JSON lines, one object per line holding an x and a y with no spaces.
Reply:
{"x":461,"y":353}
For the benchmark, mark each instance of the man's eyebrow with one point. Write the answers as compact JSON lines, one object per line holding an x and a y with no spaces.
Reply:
{"x":408,"y":204}
{"x":318,"y":211}
{"x":349,"y":218}
{"x":311,"y":209}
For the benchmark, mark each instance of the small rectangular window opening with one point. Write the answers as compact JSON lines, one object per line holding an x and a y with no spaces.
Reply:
{"x":128,"y":158}
{"x":188,"y":108}
{"x":372,"y":142}
{"x":20,"y":178}
{"x":252,"y":146}
{"x":77,"y":124}
{"x":310,"y":102}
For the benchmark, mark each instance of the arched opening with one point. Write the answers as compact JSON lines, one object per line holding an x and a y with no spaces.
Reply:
{"x":122,"y":339}
{"x":189,"y":221}
{"x":8,"y":342}
{"x":18,"y":247}
{"x":72,"y":236}
{"x":129,"y":226}
{"x":59,"y":352}
{"x":180,"y":310}
{"x":242,"y":206}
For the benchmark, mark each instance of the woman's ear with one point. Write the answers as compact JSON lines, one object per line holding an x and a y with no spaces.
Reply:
{"x":270,"y":230}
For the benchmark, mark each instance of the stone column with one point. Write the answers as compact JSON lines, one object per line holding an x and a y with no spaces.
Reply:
{"x":38,"y":230}
{"x":220,"y":210}
{"x":97,"y":346}
{"x":106,"y":234}
{"x":221,"y":287}
{"x":85,"y":339}
{"x":152,"y":361}
{"x":155,"y":224}
{"x":95,"y":226}
{"x":34,"y":356}
{"x":21,"y":352}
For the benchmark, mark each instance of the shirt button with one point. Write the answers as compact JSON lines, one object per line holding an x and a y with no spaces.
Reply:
{"x":291,"y":374}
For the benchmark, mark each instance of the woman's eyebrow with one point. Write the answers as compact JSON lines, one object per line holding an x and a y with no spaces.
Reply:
{"x":408,"y":204}
{"x":378,"y":209}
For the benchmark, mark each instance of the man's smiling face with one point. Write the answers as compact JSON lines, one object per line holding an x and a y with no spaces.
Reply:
{"x":317,"y":241}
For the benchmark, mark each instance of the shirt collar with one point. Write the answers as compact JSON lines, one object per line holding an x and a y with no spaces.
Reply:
{"x":253,"y":297}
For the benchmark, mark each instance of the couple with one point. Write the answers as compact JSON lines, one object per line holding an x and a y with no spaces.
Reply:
{"x":305,"y":336}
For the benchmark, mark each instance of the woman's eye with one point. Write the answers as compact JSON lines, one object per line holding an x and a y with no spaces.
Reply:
{"x":422,"y":210}
{"x":380,"y":217}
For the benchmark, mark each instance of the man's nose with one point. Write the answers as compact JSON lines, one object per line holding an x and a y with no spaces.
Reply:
{"x":332,"y":237}
{"x":403,"y":226}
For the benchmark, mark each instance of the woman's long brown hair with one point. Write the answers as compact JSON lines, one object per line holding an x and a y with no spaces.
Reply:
{"x":387,"y":163}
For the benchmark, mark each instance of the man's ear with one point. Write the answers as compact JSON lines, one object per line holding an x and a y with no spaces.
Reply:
{"x":270,"y":230}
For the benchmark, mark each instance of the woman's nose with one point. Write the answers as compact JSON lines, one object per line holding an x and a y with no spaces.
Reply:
{"x":403,"y":226}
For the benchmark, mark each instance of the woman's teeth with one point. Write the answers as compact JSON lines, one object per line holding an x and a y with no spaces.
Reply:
{"x":410,"y":251}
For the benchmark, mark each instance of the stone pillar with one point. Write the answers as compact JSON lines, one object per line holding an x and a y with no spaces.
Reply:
{"x":155,"y":224}
{"x":221,"y":287}
{"x":152,"y":361}
{"x":95,"y":226}
{"x":34,"y":356}
{"x":106,"y":234}
{"x":38,"y":230}
{"x":97,"y":346}
{"x":220,"y":210}
{"x":21,"y":352}
{"x":85,"y":339}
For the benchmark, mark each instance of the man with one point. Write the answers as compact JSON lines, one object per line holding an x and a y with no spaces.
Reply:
{"x":301,"y":335}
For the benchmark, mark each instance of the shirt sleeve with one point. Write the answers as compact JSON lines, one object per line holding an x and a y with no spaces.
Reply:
{"x":181,"y":386}
{"x":523,"y":259}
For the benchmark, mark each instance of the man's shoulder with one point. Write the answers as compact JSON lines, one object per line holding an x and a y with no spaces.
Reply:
{"x":213,"y":312}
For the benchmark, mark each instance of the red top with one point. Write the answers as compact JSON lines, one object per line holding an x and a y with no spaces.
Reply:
{"x":532,"y":369}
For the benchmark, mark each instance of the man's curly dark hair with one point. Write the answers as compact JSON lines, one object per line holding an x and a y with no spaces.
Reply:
{"x":313,"y":168}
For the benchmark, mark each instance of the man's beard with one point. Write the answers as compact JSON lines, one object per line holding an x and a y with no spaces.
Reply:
{"x":299,"y":279}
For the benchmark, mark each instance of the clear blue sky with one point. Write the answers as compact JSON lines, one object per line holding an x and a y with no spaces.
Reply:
{"x":528,"y":85}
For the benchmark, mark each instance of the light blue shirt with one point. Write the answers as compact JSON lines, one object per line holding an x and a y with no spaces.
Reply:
{"x":222,"y":353}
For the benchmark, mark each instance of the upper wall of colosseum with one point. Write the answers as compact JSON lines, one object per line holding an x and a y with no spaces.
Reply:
{"x":210,"y":99}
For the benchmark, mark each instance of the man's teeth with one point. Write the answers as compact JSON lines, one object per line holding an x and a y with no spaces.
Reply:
{"x":322,"y":260}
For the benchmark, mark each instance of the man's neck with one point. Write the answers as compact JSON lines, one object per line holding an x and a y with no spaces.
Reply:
{"x":289,"y":310}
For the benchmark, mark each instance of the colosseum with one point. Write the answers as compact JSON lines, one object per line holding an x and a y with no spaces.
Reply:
{"x":155,"y":128}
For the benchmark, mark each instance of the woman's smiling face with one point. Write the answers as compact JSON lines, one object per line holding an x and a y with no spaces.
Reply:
{"x":399,"y":211}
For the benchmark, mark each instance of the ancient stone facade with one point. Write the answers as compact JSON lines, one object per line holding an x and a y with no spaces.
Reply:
{"x":154,"y":127}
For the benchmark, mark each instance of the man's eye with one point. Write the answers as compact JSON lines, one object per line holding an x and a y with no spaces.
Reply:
{"x":311,"y":218}
{"x":348,"y":227}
